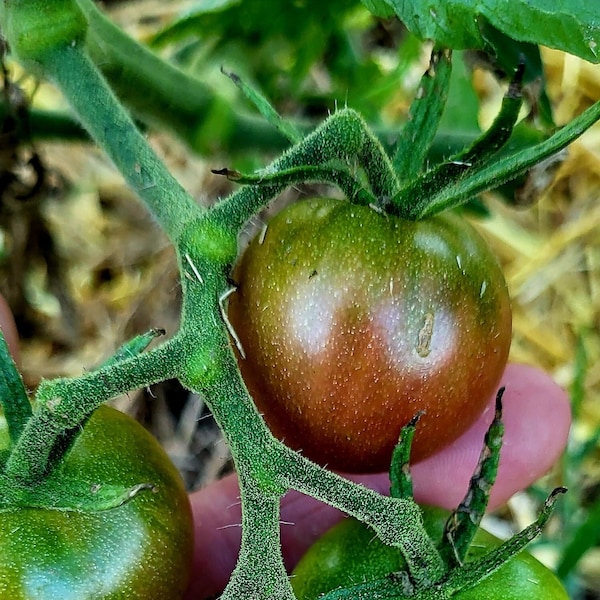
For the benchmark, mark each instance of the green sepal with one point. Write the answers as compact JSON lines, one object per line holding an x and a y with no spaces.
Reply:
{"x":463,"y":163}
{"x":67,"y":494}
{"x":424,"y":116}
{"x":457,"y":192}
{"x":463,"y":523}
{"x":470,"y":574}
{"x":400,"y":477}
{"x":340,"y":176}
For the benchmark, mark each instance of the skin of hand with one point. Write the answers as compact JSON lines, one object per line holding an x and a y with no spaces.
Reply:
{"x":537,"y":419}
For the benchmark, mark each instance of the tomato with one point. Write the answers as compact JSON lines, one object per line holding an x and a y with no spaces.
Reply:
{"x":352,"y":321}
{"x":141,"y":549}
{"x":350,"y":554}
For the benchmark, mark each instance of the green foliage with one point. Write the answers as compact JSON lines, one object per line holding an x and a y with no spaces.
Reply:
{"x":316,"y":53}
{"x":568,"y":25}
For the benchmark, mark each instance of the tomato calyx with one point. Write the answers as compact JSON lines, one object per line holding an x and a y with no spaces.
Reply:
{"x":67,"y":494}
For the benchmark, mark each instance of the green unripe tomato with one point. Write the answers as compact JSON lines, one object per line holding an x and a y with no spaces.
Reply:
{"x":350,"y":553}
{"x":140,"y":550}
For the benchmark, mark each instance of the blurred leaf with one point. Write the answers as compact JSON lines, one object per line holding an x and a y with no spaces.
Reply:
{"x":569,"y":25}
{"x":306,"y":56}
{"x":586,"y":536}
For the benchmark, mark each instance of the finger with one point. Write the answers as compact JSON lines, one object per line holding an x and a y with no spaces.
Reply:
{"x":537,"y":419}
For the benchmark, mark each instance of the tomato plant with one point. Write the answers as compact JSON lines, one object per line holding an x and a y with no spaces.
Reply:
{"x":137,"y":546}
{"x":89,"y":59}
{"x":352,"y":321}
{"x":350,"y":554}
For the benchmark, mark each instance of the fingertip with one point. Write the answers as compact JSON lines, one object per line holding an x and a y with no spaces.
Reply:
{"x":537,"y":419}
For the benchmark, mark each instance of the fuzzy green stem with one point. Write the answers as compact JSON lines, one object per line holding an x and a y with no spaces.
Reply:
{"x":260,"y":572}
{"x":465,"y":162}
{"x":114,"y":131}
{"x":63,"y":404}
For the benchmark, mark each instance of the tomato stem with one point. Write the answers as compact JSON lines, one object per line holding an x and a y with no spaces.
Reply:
{"x":63,"y":405}
{"x":112,"y":128}
{"x":260,"y":572}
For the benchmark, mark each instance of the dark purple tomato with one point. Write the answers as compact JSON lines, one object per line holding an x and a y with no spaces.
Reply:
{"x":353,"y":321}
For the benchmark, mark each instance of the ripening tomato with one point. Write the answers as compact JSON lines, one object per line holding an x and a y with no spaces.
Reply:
{"x":141,"y":549}
{"x":350,"y":553}
{"x":352,"y":321}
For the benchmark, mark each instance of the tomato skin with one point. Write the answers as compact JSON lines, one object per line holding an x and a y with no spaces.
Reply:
{"x":353,"y":321}
{"x":350,"y":553}
{"x":139,"y":550}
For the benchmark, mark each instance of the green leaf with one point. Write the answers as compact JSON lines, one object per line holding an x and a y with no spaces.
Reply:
{"x":569,"y":25}
{"x":424,"y":117}
{"x":380,"y":8}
